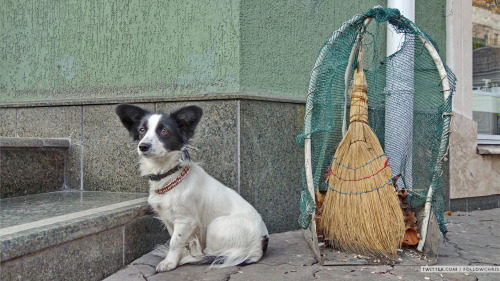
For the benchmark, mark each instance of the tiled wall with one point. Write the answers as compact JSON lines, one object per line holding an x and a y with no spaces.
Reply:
{"x":271,"y":162}
{"x":246,"y":143}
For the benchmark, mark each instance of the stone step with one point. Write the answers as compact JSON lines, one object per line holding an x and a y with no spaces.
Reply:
{"x":65,"y":235}
{"x":32,"y":165}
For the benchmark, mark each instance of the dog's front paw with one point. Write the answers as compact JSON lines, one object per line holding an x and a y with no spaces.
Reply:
{"x":166,"y":265}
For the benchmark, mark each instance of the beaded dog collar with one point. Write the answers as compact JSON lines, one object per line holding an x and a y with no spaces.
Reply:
{"x":166,"y":188}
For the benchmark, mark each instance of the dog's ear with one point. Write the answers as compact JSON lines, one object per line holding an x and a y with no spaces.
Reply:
{"x":131,"y":116}
{"x":187,"y":119}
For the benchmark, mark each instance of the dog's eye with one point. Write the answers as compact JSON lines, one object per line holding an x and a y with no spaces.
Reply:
{"x":142,"y":130}
{"x":164,"y":131}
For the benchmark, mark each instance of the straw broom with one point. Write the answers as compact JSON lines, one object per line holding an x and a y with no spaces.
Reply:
{"x":361,"y":210}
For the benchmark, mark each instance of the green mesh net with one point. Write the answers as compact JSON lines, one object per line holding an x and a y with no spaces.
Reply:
{"x":409,"y":105}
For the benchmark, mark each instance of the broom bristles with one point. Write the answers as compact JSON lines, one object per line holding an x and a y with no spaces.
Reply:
{"x":361,"y":211}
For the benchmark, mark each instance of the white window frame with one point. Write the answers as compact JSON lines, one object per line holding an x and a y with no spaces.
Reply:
{"x":459,"y":59}
{"x":485,"y":139}
{"x":488,"y":139}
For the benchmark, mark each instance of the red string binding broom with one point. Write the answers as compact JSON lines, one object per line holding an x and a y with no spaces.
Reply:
{"x":361,"y":212}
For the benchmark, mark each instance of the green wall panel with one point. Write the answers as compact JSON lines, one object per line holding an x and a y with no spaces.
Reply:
{"x":430,"y":16}
{"x":82,"y":48}
{"x":281,"y":39}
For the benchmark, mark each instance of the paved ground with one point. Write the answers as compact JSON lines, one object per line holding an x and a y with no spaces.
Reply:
{"x":474,"y":240}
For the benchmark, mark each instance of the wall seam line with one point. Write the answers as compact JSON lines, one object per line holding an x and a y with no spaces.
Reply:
{"x":16,"y":127}
{"x":81,"y":148}
{"x":238,"y":146}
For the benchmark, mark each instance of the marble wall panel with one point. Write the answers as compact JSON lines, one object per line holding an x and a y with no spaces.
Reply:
{"x":7,"y":122}
{"x":110,"y":162}
{"x":50,"y":122}
{"x":215,"y":142}
{"x":271,"y":161}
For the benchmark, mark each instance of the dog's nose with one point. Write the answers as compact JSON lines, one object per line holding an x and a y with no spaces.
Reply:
{"x":144,"y":147}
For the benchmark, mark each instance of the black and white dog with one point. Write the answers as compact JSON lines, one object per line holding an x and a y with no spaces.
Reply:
{"x":207,"y":221}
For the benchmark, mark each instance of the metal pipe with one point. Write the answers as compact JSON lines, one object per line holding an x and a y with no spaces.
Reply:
{"x":399,"y":100}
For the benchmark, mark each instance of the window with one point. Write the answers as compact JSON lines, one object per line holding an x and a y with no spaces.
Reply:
{"x":486,"y":68}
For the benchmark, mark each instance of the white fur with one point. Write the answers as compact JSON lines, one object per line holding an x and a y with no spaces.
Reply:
{"x":203,"y":217}
{"x":157,"y":150}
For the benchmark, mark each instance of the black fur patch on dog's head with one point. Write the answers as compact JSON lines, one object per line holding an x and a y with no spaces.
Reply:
{"x":180,"y":125}
{"x":131,"y":117}
{"x":187,"y":118}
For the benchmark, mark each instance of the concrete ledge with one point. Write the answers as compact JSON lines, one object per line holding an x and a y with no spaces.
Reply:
{"x":488,"y":149}
{"x":7,"y":142}
{"x":468,"y":204}
{"x":103,"y":236}
{"x":180,"y":98}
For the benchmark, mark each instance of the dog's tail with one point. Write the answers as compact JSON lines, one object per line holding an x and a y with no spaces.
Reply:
{"x":239,"y":256}
{"x":231,"y":258}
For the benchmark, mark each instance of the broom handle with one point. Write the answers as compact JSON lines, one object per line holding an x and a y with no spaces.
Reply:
{"x":348,"y":70}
